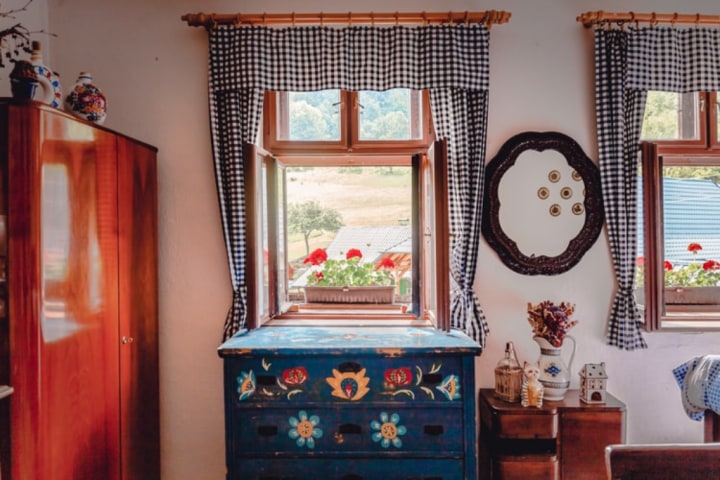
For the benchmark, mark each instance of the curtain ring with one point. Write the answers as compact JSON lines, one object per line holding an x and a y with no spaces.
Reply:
{"x":292,"y":17}
{"x":697,"y":20}
{"x":653,"y":19}
{"x":397,"y":19}
{"x":674,"y":19}
{"x":450,"y":17}
{"x":322,"y":20}
{"x":424,"y":18}
{"x":467,"y":18}
{"x":349,"y":19}
{"x":264,"y":20}
{"x":372,"y":19}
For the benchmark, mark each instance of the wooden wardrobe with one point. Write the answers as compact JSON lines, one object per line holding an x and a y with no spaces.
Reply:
{"x":78,"y":299}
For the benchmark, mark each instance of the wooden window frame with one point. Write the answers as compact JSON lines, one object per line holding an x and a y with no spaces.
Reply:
{"x":431,"y":284}
{"x":654,"y":154}
{"x":275,"y":120}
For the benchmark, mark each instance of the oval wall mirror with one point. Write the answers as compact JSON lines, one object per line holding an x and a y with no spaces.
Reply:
{"x":542,"y":208}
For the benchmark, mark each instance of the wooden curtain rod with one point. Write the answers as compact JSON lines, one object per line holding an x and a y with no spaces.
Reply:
{"x":209,"y":20}
{"x":599,"y":17}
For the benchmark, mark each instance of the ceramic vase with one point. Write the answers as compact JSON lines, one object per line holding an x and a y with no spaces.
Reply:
{"x":86,"y":100}
{"x":554,"y":371}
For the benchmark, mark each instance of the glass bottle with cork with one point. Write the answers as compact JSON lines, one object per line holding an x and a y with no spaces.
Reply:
{"x":508,"y":376}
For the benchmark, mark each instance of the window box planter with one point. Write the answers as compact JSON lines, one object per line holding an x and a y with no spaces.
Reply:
{"x":349,"y":294}
{"x":685,"y":295}
{"x":692,"y":295}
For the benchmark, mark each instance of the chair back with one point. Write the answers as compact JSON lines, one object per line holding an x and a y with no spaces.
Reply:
{"x":692,"y":461}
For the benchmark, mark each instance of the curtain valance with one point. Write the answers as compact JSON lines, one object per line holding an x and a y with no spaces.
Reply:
{"x":673,"y":59}
{"x":351,"y":58}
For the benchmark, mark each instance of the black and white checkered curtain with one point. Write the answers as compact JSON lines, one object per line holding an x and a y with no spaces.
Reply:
{"x":629,"y":63}
{"x":450,"y":61}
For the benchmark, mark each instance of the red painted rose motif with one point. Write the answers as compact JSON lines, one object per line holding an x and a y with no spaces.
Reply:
{"x":667,"y":265}
{"x":398,"y":377}
{"x":295,"y":375}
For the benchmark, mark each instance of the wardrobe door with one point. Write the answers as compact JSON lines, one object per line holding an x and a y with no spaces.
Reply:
{"x":139,"y":417}
{"x":63,"y":310}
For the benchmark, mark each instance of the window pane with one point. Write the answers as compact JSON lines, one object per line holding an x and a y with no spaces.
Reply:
{"x":390,"y":115}
{"x":691,"y":224}
{"x":343,"y":208}
{"x":309,"y":116}
{"x":671,"y":116}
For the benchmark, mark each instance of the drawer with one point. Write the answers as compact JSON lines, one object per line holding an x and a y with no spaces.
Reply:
{"x":524,"y":467}
{"x":523,"y":426}
{"x":344,"y":379}
{"x":349,"y":469}
{"x":371,"y":431}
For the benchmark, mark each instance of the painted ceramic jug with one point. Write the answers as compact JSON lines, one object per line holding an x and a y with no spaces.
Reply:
{"x":86,"y":100}
{"x":554,"y":372}
{"x":50,"y":91}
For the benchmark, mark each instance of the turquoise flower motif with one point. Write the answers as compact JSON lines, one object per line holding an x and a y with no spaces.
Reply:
{"x":450,"y":387}
{"x":305,"y":429}
{"x":246,"y":384}
{"x":387,"y":431}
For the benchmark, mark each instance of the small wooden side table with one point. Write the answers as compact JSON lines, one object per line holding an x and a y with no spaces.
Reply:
{"x":562,"y":440}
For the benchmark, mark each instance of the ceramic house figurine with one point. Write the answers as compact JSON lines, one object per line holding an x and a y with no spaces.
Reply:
{"x":593,"y":383}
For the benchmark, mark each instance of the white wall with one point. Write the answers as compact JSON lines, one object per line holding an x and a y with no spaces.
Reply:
{"x":153,"y":68}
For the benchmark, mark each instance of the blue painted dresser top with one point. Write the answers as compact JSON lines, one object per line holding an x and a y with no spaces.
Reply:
{"x":279,"y":341}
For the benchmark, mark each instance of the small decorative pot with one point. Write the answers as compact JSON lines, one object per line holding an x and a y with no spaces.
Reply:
{"x":86,"y":100}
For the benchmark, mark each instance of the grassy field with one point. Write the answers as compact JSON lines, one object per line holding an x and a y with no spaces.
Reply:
{"x":364,"y":196}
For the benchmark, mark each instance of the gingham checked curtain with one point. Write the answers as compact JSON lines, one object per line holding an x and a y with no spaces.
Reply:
{"x":629,"y":63}
{"x":450,"y":61}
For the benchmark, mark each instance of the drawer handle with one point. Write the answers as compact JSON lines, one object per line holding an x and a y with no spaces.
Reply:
{"x":434,"y":429}
{"x":349,"y":367}
{"x":275,"y":477}
{"x":432,"y":378}
{"x":351,"y":476}
{"x":266,"y":380}
{"x":267,"y":430}
{"x":350,"y":428}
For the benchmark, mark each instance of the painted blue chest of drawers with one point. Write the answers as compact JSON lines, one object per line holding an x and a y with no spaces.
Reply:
{"x":350,"y":403}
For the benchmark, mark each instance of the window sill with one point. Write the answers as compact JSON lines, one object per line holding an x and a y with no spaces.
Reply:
{"x":339,"y":321}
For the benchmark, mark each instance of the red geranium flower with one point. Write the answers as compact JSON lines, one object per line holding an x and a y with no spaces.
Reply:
{"x":711,"y":265}
{"x":640,"y":262}
{"x":353,"y":252}
{"x":319,"y":275}
{"x":667,"y":265}
{"x":694,"y":247}
{"x":316,"y":257}
{"x":386,"y":262}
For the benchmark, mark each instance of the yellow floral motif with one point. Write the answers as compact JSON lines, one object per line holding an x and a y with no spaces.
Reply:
{"x":349,"y":385}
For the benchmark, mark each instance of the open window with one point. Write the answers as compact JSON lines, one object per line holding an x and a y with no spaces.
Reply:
{"x":678,"y":265}
{"x":383,"y":204}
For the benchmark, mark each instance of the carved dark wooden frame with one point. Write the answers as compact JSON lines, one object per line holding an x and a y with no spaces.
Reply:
{"x":504,"y":246}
